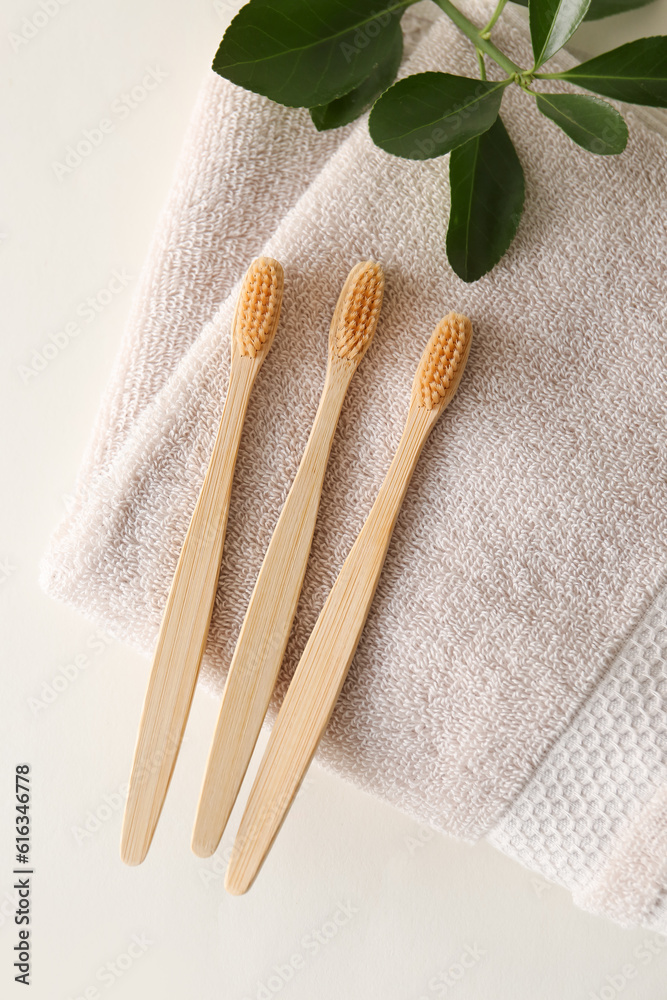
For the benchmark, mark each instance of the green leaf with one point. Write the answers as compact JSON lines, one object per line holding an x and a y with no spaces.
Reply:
{"x":635,"y":72}
{"x":487,"y":191}
{"x":428,"y":114}
{"x":605,"y":8}
{"x":552,"y":24}
{"x":589,"y":121}
{"x":348,"y":107}
{"x":304,"y":53}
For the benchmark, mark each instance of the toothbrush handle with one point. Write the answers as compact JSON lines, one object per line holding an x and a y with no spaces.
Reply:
{"x":267,"y":625}
{"x":184,"y":630}
{"x":323,"y":667}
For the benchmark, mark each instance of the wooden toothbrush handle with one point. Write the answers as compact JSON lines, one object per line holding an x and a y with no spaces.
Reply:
{"x":323,"y":667}
{"x":267,"y":625}
{"x":182,"y":637}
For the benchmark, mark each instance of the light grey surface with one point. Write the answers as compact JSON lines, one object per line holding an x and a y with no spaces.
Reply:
{"x":408,"y":903}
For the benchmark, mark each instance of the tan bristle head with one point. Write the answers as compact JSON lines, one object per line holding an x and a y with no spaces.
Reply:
{"x":443,"y":360}
{"x":258,"y":307}
{"x":358,"y":310}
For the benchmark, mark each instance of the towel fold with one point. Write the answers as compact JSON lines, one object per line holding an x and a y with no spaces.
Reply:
{"x":530,"y":553}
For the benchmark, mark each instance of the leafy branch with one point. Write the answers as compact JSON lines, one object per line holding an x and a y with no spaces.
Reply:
{"x":338,"y":59}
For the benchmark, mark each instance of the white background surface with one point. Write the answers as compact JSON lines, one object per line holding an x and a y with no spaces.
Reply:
{"x":408,"y":903}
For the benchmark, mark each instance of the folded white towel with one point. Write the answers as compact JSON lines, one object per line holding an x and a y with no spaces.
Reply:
{"x":533,"y":540}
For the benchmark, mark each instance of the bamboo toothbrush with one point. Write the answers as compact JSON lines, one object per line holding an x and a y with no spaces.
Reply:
{"x":187,"y":616}
{"x":322,"y":669}
{"x":268,"y":620}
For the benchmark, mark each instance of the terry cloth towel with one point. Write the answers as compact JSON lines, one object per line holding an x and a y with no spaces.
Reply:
{"x":511,"y":679}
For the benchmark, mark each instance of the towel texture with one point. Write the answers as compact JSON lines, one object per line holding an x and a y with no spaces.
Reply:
{"x":532,"y":543}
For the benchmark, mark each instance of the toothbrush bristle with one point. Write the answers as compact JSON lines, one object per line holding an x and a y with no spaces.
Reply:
{"x":442,"y":359}
{"x":360,"y":312}
{"x":259,"y":302}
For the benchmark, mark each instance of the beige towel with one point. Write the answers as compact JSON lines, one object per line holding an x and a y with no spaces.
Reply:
{"x":532,"y":543}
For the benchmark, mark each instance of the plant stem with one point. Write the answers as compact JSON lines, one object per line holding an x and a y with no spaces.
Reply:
{"x":550,"y":76}
{"x":482,"y":67}
{"x":478,"y":40}
{"x":486,"y":30}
